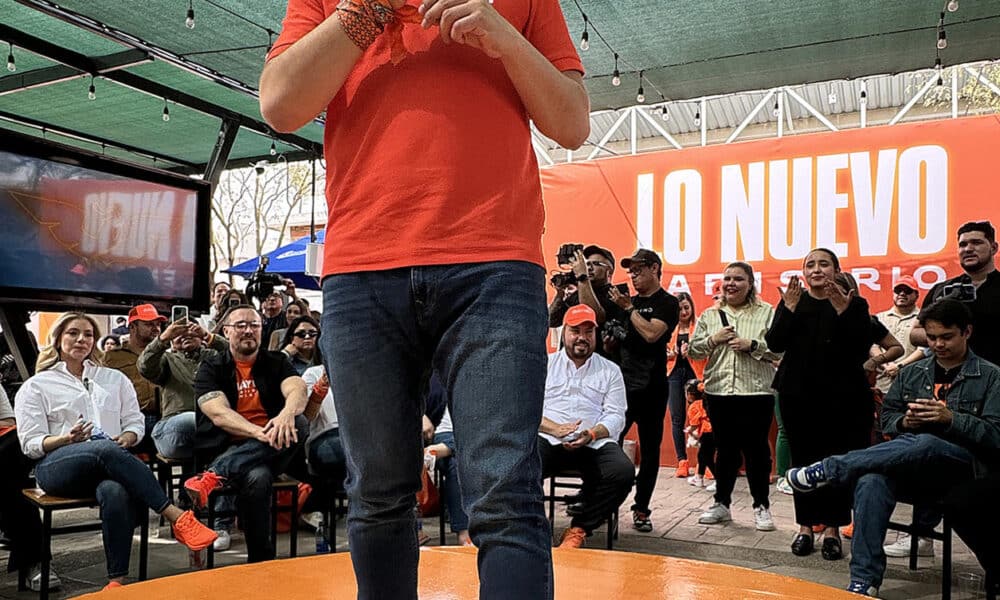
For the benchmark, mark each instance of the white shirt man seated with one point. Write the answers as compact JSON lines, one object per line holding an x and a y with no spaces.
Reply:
{"x":583,"y":416}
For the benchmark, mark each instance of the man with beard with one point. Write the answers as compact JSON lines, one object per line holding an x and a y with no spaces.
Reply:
{"x":583,"y":416}
{"x":979,"y":287}
{"x":257,"y":399}
{"x":651,"y":317}
{"x":144,"y":324}
{"x":594,"y":268}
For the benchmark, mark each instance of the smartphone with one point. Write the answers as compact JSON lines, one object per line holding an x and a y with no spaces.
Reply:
{"x":622,"y":288}
{"x":571,"y":437}
{"x":178,"y":313}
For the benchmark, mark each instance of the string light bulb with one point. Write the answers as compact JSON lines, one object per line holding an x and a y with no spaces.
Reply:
{"x":942,"y":41}
{"x":664,"y":113}
{"x":166,"y":111}
{"x":777,"y":110}
{"x":11,"y":65}
{"x":274,"y":150}
{"x":92,"y":91}
{"x":864,"y":97}
{"x":697,"y":118}
{"x":832,"y":98}
{"x":640,"y":95}
{"x":189,"y":20}
{"x":616,"y":78}
{"x":953,"y":6}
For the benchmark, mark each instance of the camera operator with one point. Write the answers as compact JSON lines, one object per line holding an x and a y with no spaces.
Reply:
{"x":592,"y":270}
{"x":978,"y":287}
{"x":651,"y":317}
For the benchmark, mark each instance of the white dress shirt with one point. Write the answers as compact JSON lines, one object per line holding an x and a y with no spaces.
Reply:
{"x":327,"y":417}
{"x":593,"y":393}
{"x":53,"y":401}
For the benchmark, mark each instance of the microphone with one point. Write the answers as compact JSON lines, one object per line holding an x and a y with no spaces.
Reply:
{"x":88,"y":385}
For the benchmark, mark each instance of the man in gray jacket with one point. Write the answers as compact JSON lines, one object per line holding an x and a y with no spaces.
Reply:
{"x":943,"y":414}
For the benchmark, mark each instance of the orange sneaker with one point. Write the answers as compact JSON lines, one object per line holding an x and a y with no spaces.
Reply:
{"x":683,"y":469}
{"x":112,"y":585}
{"x":200,"y":486}
{"x":573,"y":537}
{"x":708,"y":474}
{"x":192,"y":533}
{"x":848,"y":532}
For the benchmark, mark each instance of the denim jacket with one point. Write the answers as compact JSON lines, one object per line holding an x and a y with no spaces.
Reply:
{"x":974,"y":398}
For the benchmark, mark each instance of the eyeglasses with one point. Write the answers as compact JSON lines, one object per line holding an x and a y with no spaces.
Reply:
{"x":637,"y":268}
{"x":306,"y":334}
{"x":904,"y":290}
{"x":244,"y":325}
{"x":597,"y":263}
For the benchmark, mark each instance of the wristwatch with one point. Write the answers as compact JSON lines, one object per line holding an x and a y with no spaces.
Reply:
{"x":754,"y":345}
{"x":582,"y":277}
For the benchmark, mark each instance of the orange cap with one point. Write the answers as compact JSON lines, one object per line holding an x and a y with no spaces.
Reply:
{"x":579,"y":314}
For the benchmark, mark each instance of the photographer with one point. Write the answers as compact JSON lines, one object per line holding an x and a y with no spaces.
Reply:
{"x":978,"y":287}
{"x":592,"y":269}
{"x":651,"y":317}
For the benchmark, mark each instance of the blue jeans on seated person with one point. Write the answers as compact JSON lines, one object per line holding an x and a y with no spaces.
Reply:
{"x":326,"y":456}
{"x":174,"y":436}
{"x":482,"y":327}
{"x":124,"y":487}
{"x":250,"y":466}
{"x":916,"y":468}
{"x":452,"y":488}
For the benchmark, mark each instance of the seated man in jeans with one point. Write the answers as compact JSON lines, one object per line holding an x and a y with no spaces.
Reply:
{"x":256,"y":399}
{"x":944,"y":415}
{"x":583,"y":415}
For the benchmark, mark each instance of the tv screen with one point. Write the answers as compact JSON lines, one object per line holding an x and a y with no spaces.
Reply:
{"x":81,"y":231}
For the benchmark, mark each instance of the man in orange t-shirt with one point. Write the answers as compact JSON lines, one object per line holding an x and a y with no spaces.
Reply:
{"x":433,"y":255}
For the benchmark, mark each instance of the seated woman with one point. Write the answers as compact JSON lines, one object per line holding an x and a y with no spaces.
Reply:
{"x":443,"y":447}
{"x":294,"y":310}
{"x":79,"y":419}
{"x":301,"y":343}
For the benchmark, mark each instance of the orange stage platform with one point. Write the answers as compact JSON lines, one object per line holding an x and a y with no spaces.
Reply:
{"x":449,"y":573}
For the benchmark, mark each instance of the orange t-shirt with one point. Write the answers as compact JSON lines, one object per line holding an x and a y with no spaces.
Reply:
{"x":248,"y":399}
{"x":698,"y":418}
{"x":430,"y":161}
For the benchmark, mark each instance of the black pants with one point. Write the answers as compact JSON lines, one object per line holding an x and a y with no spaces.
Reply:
{"x":969,"y":506}
{"x":741,"y":425}
{"x":706,"y":452}
{"x":646,"y":408}
{"x":607,"y":478}
{"x":18,"y":518}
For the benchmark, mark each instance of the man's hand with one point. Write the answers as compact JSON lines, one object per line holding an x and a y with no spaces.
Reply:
{"x":126,"y":439}
{"x":428,"y":430}
{"x":474,"y":23}
{"x":928,"y":412}
{"x":891,"y":369}
{"x":724,"y":335}
{"x":623,"y":301}
{"x":739,"y":344}
{"x":579,"y":263}
{"x":561,"y":430}
{"x":792,"y":294}
{"x":281,"y":432}
{"x":579,"y":442}
{"x":175,"y":330}
{"x":290,"y":288}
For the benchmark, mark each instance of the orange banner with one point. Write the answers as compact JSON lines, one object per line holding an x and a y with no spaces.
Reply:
{"x":887,"y":200}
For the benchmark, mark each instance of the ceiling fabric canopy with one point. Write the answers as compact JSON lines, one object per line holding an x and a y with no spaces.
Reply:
{"x":145,"y":63}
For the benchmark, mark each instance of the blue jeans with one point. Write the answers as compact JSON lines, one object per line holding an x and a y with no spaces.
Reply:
{"x":482,"y":327}
{"x":174,"y":436}
{"x":917,"y":468}
{"x":124,"y":487}
{"x":251,"y":466}
{"x":326,"y":455}
{"x":452,"y":488}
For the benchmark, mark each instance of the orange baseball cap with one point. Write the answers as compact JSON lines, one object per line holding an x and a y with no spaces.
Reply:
{"x":906,"y":281}
{"x":579,"y":314}
{"x":144,"y":312}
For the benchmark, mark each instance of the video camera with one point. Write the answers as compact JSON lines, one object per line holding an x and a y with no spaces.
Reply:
{"x":961,"y":291}
{"x":261,"y":284}
{"x":564,"y":258}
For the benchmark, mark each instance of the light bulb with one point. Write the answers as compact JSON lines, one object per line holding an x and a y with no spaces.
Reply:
{"x":189,"y":21}
{"x":697,"y":119}
{"x":92,"y":92}
{"x":940,"y":80}
{"x":777,"y":111}
{"x":585,"y":41}
{"x":665,"y":114}
{"x":864,"y":97}
{"x":616,"y":79}
{"x":640,"y":97}
{"x":11,"y":66}
{"x":166,"y":113}
{"x":942,"y":42}
{"x":273,"y":149}
{"x":832,"y":98}
{"x":937,"y":64}
{"x":953,"y":6}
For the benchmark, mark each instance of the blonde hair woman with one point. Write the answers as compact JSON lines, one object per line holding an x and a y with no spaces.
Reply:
{"x":78,"y":419}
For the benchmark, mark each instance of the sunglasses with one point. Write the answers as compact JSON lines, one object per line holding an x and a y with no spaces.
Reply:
{"x":904,"y":290}
{"x":597,"y":263}
{"x":306,"y":334}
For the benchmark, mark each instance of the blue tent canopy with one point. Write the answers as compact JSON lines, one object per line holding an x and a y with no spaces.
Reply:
{"x":288,"y":261}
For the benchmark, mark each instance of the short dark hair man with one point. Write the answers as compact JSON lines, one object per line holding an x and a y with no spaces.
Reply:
{"x":651,"y":317}
{"x":944,"y":416}
{"x":978,"y":286}
{"x":582,"y":418}
{"x":594,"y":267}
{"x":257,"y":398}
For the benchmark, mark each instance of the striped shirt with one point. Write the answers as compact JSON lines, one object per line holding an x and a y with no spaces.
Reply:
{"x":727,"y":371}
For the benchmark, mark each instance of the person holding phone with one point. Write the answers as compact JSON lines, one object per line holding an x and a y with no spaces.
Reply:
{"x":79,"y":419}
{"x":594,"y":267}
{"x":943,"y":414}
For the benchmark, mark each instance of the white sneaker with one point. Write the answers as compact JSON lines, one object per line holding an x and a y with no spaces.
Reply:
{"x":901,"y":548}
{"x":718,"y":513}
{"x":762,"y":519}
{"x":35,"y":579}
{"x":313,"y":519}
{"x":223,"y":542}
{"x":711,"y":487}
{"x":784,"y":487}
{"x":696,"y":481}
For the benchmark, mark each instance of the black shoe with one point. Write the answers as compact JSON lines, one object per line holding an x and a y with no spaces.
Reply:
{"x":832,"y":549}
{"x":641,"y":522}
{"x":802,"y":545}
{"x":574,"y":510}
